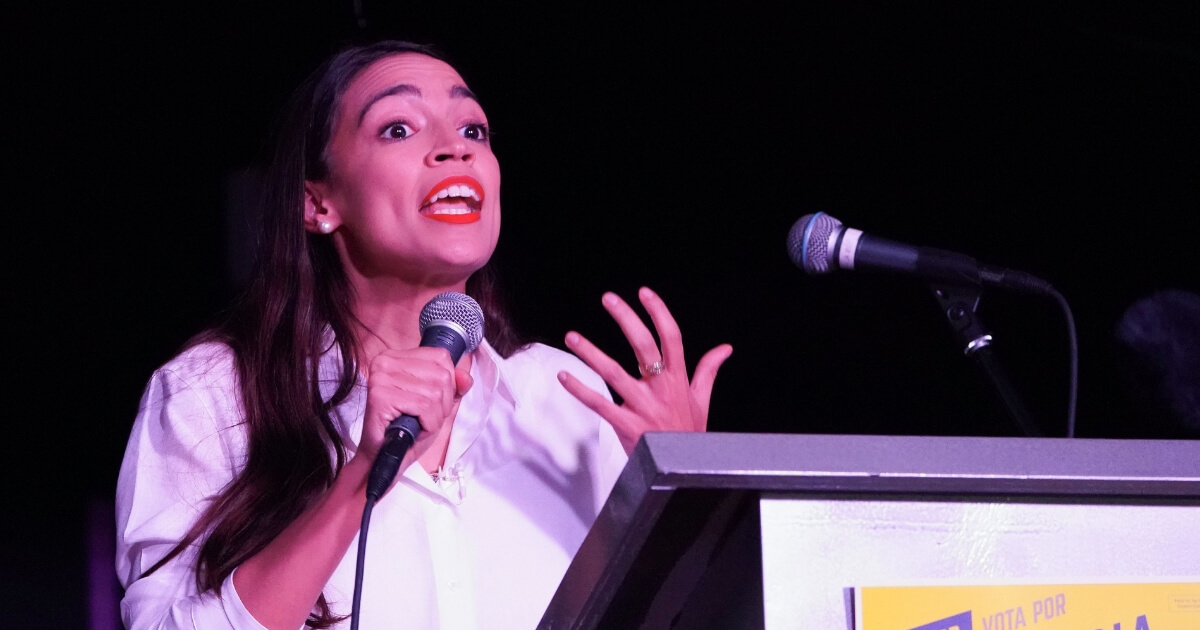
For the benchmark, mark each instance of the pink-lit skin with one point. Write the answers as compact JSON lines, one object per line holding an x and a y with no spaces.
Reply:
{"x":406,"y":125}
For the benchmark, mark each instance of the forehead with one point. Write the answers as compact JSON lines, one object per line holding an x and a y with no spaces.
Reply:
{"x":432,"y":77}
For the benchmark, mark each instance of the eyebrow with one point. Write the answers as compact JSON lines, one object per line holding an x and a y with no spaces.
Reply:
{"x":456,"y":92}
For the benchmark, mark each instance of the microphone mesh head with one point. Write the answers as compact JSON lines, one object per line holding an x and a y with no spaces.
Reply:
{"x":808,"y":242}
{"x":457,"y":308}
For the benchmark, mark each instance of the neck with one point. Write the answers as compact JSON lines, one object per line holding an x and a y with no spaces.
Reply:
{"x":388,"y":312}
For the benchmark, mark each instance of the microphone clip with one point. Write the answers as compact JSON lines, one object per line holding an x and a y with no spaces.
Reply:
{"x":959,"y":303}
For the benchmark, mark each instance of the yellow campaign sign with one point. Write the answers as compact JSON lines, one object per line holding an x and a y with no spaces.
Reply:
{"x":1133,"y":606}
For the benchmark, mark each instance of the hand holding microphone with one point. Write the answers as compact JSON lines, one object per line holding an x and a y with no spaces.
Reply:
{"x":450,"y":321}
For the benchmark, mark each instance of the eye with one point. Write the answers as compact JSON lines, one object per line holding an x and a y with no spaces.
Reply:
{"x":475,"y":131}
{"x":396,"y":131}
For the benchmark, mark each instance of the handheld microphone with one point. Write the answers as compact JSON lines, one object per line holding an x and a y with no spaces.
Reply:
{"x":820,"y":244}
{"x":452,"y":321}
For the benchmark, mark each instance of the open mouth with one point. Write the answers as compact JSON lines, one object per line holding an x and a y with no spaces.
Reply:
{"x":455,"y":199}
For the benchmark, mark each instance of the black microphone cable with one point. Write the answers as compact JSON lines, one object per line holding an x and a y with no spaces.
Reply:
{"x":452,"y":321}
{"x":820,"y":244}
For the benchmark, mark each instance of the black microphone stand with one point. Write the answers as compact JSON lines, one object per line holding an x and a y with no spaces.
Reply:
{"x":959,"y":303}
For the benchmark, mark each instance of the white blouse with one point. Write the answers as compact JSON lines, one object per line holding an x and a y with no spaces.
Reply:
{"x":527,"y":470}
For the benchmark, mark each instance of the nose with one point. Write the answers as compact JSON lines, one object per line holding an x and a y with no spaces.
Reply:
{"x":450,"y":147}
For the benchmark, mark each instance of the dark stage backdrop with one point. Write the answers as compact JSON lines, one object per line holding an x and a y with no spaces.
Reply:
{"x":668,"y":147}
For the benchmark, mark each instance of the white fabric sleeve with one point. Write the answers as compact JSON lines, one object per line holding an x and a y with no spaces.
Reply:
{"x":186,"y":445}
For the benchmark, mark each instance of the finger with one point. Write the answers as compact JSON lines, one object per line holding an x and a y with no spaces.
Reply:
{"x":462,"y":382}
{"x":622,"y":421}
{"x":593,"y":399}
{"x":706,"y":374}
{"x":440,"y":356}
{"x":645,"y":348}
{"x":416,"y":376}
{"x":428,"y":373}
{"x":427,"y":410}
{"x":604,"y":365}
{"x":408,"y":385}
{"x":433,"y":363}
{"x":668,"y":329}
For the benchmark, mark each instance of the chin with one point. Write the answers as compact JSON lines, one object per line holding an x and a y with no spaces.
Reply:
{"x":458,"y":269}
{"x":472,"y":254}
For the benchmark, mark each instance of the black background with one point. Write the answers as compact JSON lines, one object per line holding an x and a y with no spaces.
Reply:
{"x":669,"y":147}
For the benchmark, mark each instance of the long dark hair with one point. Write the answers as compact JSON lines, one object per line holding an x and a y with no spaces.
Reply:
{"x":278,"y":332}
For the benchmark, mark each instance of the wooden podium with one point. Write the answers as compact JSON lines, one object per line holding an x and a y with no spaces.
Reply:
{"x":728,"y":531}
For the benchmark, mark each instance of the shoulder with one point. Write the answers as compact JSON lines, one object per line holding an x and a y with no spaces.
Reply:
{"x":537,"y":358}
{"x":558,"y":419}
{"x":208,"y":368}
{"x":541,"y":354}
{"x":206,"y":363}
{"x":532,"y":375}
{"x":186,"y":444}
{"x":199,"y":386}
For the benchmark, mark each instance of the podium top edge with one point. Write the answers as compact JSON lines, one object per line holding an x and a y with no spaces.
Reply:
{"x":797,"y":461}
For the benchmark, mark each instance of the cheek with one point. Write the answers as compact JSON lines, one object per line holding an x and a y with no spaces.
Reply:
{"x":369,"y":174}
{"x":378,"y":197}
{"x":494,"y":166}
{"x":496,"y":217}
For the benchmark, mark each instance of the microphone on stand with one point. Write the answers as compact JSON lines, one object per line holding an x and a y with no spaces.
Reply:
{"x":820,"y":244}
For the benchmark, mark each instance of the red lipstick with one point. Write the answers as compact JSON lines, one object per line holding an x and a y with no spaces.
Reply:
{"x":456,"y":200}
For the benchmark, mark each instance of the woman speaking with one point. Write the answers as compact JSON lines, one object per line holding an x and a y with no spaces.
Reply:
{"x":242,"y":487}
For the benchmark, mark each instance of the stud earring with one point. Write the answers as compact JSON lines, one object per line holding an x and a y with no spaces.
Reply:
{"x":325,"y":227}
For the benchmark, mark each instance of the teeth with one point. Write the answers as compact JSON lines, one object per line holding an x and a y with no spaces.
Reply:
{"x":458,"y":191}
{"x":453,"y":211}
